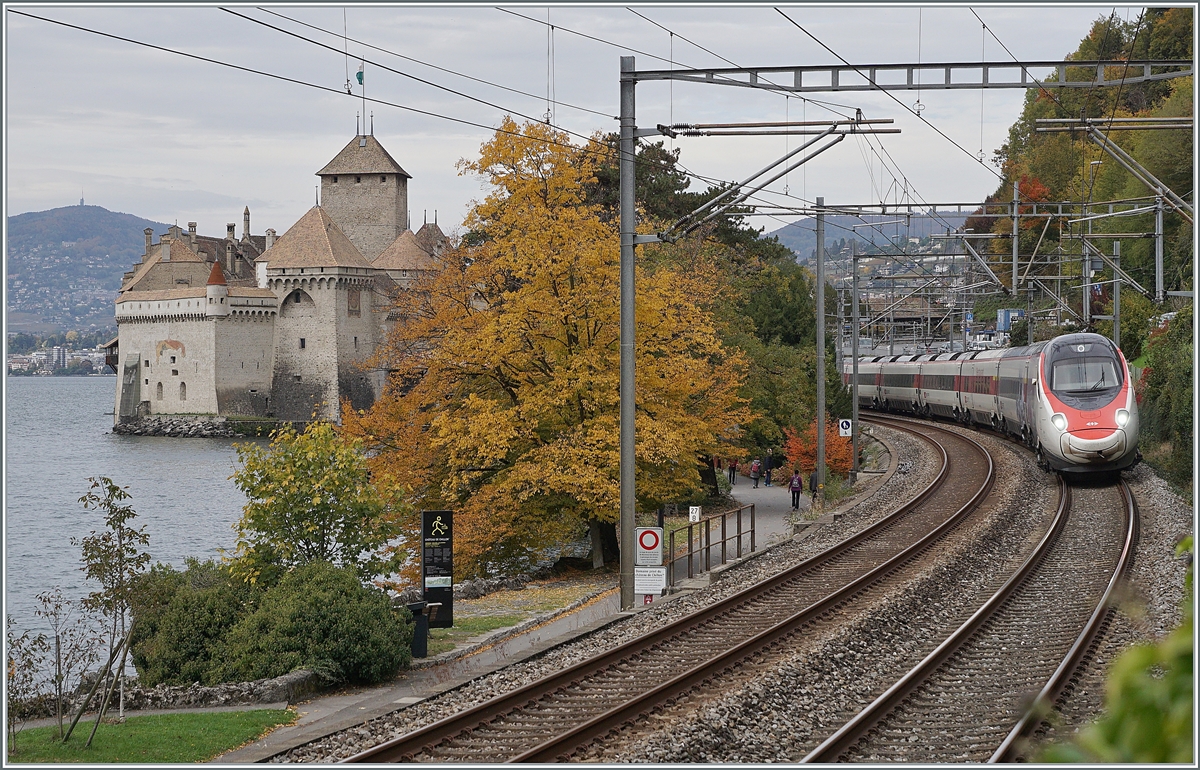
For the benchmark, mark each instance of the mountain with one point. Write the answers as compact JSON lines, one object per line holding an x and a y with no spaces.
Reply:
{"x":65,"y":265}
{"x":801,"y":236}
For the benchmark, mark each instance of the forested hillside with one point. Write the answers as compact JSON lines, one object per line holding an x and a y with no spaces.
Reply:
{"x":65,"y":265}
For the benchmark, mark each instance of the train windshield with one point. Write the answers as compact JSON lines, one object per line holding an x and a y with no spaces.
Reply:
{"x":1084,"y":368}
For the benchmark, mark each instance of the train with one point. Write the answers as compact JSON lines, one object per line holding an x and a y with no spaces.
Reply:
{"x":1069,"y":399}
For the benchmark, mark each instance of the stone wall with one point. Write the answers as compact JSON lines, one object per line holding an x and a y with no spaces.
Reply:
{"x":289,"y":688}
{"x":191,"y":426}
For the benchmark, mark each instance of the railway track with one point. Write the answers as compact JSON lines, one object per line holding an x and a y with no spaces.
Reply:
{"x":550,"y":719}
{"x":966,"y":700}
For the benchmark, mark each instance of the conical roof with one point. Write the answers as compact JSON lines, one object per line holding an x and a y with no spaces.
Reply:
{"x":216,"y":276}
{"x":364,"y":155}
{"x":314,"y":241}
{"x":404,"y":253}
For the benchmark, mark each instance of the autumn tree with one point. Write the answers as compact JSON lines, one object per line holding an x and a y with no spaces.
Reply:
{"x":801,"y":448}
{"x":504,"y":398}
{"x":309,"y":498}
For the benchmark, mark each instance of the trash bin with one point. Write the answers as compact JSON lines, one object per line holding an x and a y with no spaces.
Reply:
{"x":420,"y":641}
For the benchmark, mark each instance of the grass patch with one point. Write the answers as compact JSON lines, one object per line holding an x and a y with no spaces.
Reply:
{"x":161,"y":738}
{"x":446,"y":639}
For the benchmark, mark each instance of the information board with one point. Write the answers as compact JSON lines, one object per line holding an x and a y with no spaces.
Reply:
{"x":437,"y":564}
{"x":649,"y":580}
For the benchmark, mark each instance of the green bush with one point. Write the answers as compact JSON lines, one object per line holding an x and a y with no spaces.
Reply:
{"x":183,"y":619}
{"x":323,"y":618}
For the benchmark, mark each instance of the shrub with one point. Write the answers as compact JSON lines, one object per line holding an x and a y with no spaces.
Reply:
{"x":320,"y":617}
{"x":183,"y":619}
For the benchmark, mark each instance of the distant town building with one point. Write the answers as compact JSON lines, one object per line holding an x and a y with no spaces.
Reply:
{"x":278,"y":327}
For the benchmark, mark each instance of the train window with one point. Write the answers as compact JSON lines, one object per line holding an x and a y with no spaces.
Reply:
{"x":1083,"y":375}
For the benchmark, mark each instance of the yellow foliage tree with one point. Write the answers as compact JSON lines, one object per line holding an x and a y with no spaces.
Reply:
{"x":504,"y":402}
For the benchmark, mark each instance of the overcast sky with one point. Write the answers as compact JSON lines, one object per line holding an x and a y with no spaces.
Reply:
{"x":169,"y":138}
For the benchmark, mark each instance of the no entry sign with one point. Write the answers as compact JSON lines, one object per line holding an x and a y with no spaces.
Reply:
{"x":649,"y":547}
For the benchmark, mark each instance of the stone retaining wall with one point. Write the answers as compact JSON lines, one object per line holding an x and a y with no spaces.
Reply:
{"x":291,"y":688}
{"x":198,"y":426}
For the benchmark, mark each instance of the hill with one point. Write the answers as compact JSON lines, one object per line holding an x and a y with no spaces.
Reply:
{"x":65,"y":265}
{"x":801,"y":236}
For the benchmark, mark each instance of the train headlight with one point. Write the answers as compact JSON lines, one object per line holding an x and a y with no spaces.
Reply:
{"x":1059,"y":421}
{"x":1122,"y":417}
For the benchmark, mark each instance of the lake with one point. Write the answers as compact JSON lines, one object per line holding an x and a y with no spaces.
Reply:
{"x":57,"y":434}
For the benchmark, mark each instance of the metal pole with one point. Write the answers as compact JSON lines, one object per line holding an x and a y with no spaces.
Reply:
{"x":820,"y":350}
{"x":1158,"y":248}
{"x":854,"y":358}
{"x":1029,"y":330}
{"x":1117,"y":296}
{"x":1016,"y":232}
{"x":627,"y":227}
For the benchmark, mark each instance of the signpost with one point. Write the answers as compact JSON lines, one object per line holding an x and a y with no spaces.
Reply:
{"x":844,"y":428}
{"x":649,"y":576}
{"x":437,"y":565}
{"x":693,"y":513}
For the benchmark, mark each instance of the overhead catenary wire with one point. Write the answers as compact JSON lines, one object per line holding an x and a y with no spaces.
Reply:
{"x":436,"y":67}
{"x":374,"y":100}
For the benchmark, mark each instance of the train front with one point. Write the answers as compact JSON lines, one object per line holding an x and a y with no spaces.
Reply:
{"x":1090,"y":422}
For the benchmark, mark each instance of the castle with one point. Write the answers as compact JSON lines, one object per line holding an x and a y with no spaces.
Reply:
{"x":273,"y":327}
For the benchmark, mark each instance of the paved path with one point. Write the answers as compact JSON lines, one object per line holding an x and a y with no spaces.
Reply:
{"x":773,"y":515}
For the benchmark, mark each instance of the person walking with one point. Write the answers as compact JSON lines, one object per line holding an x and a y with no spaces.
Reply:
{"x":796,"y":486}
{"x":767,"y":466}
{"x":812,"y":487}
{"x":755,"y":471}
{"x":733,"y":465}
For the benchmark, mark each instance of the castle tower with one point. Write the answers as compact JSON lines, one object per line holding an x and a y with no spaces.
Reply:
{"x":365,"y":191}
{"x":216,"y":293}
{"x":326,"y":327}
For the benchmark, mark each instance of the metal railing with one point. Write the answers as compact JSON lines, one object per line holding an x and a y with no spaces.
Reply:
{"x":700,"y":543}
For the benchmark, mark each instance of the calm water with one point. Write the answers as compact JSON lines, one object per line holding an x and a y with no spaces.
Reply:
{"x":57,"y":435}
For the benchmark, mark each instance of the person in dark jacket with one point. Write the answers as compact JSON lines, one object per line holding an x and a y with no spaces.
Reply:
{"x":812,"y":486}
{"x":796,"y":486}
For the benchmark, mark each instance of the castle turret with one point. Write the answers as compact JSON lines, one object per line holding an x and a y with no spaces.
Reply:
{"x":217,"y":293}
{"x":246,"y":224}
{"x":149,"y":231}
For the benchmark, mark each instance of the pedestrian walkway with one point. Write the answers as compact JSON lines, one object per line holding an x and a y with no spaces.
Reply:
{"x":774,"y":519}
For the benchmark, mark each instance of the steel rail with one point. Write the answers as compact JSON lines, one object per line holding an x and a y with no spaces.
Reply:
{"x":559,"y":748}
{"x":848,"y":734}
{"x":405,"y":747}
{"x":1010,"y":749}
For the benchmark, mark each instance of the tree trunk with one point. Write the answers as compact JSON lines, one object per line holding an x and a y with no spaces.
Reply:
{"x":708,"y":476}
{"x":597,"y":544}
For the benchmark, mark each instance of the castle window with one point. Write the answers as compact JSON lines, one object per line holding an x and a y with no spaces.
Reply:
{"x":358,"y":180}
{"x":158,"y":391}
{"x":302,"y":343}
{"x":183,"y":391}
{"x":335,"y":180}
{"x":174,"y":372}
{"x":382,"y":179}
{"x":147,"y":380}
{"x":356,"y":343}
{"x":296,"y":298}
{"x":296,"y":377}
{"x":172,"y":359}
{"x":222,"y":300}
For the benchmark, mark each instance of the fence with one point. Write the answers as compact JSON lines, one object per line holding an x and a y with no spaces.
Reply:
{"x":700,"y":543}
